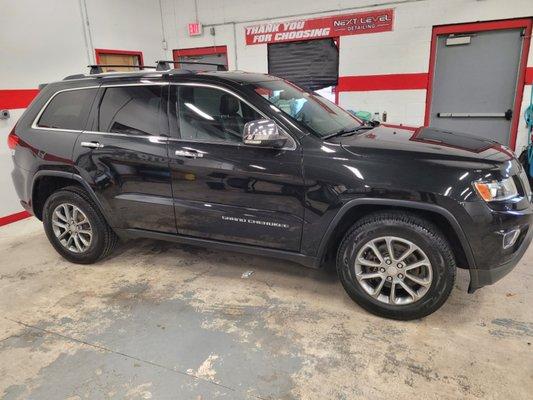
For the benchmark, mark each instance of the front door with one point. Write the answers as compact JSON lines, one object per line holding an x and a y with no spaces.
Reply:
{"x":224,"y":190}
{"x":475,"y":82}
{"x":124,"y":156}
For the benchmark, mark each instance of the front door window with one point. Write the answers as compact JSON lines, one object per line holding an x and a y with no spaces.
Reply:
{"x":212,"y":115}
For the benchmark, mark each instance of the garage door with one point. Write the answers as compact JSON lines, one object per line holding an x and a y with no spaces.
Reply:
{"x":475,"y":82}
{"x":311,"y":64}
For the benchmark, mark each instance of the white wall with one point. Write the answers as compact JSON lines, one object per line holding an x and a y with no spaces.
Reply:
{"x":406,"y":49}
{"x":45,"y":40}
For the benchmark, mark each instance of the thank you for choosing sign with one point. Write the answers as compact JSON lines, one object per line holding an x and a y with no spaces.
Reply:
{"x":332,"y":26}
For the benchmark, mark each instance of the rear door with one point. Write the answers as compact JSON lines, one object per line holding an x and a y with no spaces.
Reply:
{"x":475,"y":83}
{"x":223,"y":189}
{"x":124,"y":155}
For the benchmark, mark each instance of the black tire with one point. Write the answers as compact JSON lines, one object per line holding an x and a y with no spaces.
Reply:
{"x":410,"y":227}
{"x":104,"y":240}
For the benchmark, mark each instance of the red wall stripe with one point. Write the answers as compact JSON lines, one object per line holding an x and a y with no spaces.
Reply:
{"x":16,"y":98}
{"x":383,"y":82}
{"x":528,"y":79}
{"x":8,"y":219}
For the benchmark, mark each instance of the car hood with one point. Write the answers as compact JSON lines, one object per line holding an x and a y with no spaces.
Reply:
{"x":426,"y":143}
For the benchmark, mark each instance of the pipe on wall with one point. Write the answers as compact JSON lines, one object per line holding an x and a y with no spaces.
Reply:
{"x":87,"y":36}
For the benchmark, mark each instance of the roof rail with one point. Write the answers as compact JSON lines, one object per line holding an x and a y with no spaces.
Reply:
{"x":97,"y":68}
{"x":164,"y":65}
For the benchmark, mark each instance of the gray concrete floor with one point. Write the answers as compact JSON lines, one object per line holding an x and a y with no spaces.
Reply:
{"x":164,"y":321}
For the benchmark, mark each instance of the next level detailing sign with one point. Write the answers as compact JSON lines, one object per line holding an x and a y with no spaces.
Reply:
{"x":317,"y":28}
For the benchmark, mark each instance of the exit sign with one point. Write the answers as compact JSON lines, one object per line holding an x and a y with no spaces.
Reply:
{"x":195,"y":29}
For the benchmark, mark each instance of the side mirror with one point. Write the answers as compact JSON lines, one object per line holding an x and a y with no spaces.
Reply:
{"x":263,"y":133}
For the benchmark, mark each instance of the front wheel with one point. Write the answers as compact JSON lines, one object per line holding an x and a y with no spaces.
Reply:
{"x":396,"y":265}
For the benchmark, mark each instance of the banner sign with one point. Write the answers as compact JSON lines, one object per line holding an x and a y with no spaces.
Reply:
{"x":318,"y":28}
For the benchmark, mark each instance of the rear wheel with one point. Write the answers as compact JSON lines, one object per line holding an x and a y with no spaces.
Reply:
{"x":75,"y":226}
{"x":396,"y":265}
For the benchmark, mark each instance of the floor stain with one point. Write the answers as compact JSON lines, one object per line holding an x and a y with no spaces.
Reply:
{"x":163,"y":321}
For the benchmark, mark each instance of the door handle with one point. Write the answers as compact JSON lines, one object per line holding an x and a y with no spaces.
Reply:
{"x":92,"y":145}
{"x":507,"y":115}
{"x":188,"y":153}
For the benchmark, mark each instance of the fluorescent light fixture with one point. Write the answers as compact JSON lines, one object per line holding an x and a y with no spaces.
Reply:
{"x":327,"y":149}
{"x":355,"y":171}
{"x":199,"y":112}
{"x":257,"y":167}
{"x":464,"y":176}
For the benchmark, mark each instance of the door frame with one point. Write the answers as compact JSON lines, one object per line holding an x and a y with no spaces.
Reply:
{"x":99,"y":52}
{"x":525,"y":23}
{"x":200,"y":51}
{"x":337,"y":40}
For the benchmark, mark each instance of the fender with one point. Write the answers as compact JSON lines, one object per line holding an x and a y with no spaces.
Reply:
{"x":408,"y":204}
{"x":70,"y":175}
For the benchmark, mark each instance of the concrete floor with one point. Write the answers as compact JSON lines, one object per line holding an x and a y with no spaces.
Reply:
{"x":164,"y":321}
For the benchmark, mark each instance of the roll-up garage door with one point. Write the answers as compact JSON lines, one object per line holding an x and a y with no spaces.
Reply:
{"x":311,"y":64}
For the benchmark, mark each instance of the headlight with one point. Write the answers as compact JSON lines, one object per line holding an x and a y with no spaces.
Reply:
{"x":496,"y":190}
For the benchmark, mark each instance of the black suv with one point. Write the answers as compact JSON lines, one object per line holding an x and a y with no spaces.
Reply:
{"x":250,"y":162}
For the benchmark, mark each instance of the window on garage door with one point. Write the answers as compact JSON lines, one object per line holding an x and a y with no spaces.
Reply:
{"x":311,"y":64}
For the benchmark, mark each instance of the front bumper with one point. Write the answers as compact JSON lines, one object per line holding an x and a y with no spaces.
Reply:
{"x":484,"y":277}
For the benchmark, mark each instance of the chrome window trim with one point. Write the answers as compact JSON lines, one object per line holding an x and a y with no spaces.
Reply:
{"x":156,"y":138}
{"x":151,"y":137}
{"x":208,"y":85}
{"x":41,"y":128}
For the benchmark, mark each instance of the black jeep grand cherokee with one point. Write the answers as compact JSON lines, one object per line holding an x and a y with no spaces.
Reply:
{"x":249,"y":162}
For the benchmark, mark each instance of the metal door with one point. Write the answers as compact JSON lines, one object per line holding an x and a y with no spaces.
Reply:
{"x":475,"y":81}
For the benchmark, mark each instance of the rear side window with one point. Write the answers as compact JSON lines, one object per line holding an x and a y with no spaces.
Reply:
{"x":130,"y":110}
{"x":68,"y":110}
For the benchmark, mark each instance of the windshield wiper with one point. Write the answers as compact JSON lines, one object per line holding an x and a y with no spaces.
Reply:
{"x":348,"y":132}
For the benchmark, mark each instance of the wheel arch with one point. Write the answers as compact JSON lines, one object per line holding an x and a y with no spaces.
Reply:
{"x":45,"y":183}
{"x":358,"y":208}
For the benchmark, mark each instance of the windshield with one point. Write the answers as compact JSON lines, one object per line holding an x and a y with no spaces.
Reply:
{"x":319,"y":115}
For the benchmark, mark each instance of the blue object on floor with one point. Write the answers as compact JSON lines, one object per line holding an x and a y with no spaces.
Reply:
{"x":528,"y":116}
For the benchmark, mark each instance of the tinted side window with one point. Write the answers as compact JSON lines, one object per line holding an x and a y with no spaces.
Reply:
{"x":68,"y":110}
{"x":130,"y":110}
{"x":208,"y":114}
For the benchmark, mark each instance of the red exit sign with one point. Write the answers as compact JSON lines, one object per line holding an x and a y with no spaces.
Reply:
{"x":195,"y":29}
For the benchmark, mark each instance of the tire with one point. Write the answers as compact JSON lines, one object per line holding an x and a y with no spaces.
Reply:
{"x":402,"y":232}
{"x":100,"y":243}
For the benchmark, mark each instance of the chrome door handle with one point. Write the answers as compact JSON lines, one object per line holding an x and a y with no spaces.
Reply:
{"x":92,"y":145}
{"x":188,"y":154}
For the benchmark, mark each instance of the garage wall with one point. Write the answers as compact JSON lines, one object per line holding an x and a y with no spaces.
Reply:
{"x":405,"y":50}
{"x":47,"y":40}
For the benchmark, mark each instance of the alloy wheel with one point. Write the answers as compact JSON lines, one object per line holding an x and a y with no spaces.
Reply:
{"x":72,"y":228}
{"x":393,"y":270}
